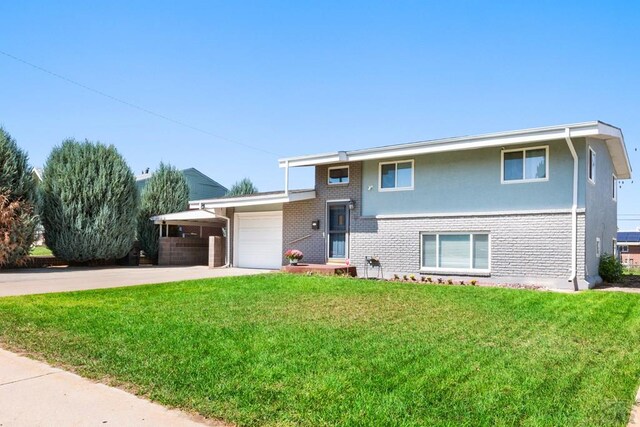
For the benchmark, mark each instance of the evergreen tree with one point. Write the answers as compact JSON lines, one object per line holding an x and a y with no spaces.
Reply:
{"x":18,"y":189}
{"x":165,"y":192}
{"x":242,"y":187}
{"x":89,"y":202}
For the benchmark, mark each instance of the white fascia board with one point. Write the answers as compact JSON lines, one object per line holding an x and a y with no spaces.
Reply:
{"x":617,"y":149}
{"x":524,"y":136}
{"x":190,"y":215}
{"x":475,"y":142}
{"x":200,"y":223}
{"x":611,"y":134}
{"x":253,"y":201}
{"x":313,"y":159}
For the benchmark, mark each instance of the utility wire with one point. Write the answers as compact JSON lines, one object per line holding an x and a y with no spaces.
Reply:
{"x":137,"y":107}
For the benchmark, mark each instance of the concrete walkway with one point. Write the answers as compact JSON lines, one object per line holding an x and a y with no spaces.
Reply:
{"x":35,"y":394}
{"x":63,"y":279}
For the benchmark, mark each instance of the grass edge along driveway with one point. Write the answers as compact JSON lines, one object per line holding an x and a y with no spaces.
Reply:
{"x":289,"y":350}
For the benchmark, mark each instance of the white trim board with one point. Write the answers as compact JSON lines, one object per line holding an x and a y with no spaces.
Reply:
{"x":596,"y":129}
{"x":458,"y":214}
{"x":258,"y":199}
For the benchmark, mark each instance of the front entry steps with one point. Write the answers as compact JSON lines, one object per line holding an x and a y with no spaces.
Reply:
{"x":322,"y":269}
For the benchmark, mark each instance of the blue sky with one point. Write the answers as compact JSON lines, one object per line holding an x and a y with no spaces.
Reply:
{"x":304,"y":77}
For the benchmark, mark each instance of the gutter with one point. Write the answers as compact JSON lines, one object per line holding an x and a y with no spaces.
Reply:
{"x":574,"y":212}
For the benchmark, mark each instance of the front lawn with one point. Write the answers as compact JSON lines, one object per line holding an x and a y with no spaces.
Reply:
{"x":290,"y":350}
{"x":632,"y":271}
{"x":40,"y":251}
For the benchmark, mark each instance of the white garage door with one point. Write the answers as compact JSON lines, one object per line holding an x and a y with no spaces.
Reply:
{"x":258,"y":239}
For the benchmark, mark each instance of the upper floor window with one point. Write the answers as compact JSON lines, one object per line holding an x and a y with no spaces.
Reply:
{"x":525,"y":165}
{"x":396,"y":175}
{"x":338,"y":175}
{"x":592,"y":165}
{"x":624,"y":249}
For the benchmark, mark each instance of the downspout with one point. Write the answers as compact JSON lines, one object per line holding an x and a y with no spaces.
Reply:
{"x":574,"y":212}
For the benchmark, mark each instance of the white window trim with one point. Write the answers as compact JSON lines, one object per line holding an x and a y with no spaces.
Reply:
{"x":396,"y":188}
{"x":591,"y":179}
{"x":524,"y":150}
{"x":456,"y":270}
{"x":614,"y":182}
{"x":624,"y":249}
{"x":598,"y":247}
{"x":614,"y":242}
{"x":338,"y":183}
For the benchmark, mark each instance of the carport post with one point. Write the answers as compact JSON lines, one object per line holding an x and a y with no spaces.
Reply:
{"x":286,"y":177}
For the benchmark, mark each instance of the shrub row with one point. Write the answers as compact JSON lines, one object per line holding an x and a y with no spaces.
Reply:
{"x":87,"y":202}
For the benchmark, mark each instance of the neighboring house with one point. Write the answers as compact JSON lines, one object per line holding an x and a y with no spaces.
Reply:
{"x":527,"y":206}
{"x":629,"y":247}
{"x":38,"y":174}
{"x":200,"y":185}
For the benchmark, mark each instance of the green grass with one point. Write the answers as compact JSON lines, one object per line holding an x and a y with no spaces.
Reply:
{"x":632,"y":271}
{"x":40,"y":251}
{"x":285,"y":350}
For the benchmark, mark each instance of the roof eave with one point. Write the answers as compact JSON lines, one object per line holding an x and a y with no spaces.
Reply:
{"x":611,"y":134}
{"x":252,"y":201}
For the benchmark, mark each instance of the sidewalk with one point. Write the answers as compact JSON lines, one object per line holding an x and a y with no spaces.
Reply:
{"x":35,"y":394}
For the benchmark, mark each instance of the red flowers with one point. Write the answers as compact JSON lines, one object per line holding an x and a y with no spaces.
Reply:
{"x":293,"y":254}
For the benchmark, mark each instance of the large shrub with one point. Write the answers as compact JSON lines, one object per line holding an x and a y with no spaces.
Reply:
{"x":610,"y":268}
{"x":165,"y":192}
{"x":13,"y":246}
{"x":18,"y":189}
{"x":242,"y":187}
{"x":89,"y":202}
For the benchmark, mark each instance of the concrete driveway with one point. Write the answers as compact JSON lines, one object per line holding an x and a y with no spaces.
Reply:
{"x":64,"y":279}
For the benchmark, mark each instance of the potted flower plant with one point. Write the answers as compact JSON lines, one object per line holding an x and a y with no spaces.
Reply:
{"x":293,"y":255}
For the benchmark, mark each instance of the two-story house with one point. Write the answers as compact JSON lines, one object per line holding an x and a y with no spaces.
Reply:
{"x":535,"y":206}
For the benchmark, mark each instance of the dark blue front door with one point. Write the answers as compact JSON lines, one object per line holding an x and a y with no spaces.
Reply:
{"x":338,"y":227}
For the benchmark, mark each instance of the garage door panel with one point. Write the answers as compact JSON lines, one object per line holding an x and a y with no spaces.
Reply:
{"x":258,"y":240}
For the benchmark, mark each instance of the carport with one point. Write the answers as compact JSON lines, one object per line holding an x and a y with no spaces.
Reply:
{"x":201,"y":238}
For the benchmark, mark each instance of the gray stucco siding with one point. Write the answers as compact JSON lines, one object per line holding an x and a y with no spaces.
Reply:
{"x":602,"y":210}
{"x":470,"y":181}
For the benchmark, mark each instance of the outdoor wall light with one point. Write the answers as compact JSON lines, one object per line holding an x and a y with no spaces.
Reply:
{"x":352,"y":205}
{"x":315,"y":224}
